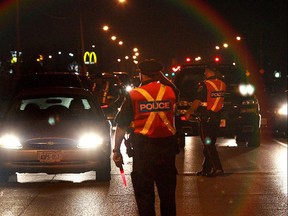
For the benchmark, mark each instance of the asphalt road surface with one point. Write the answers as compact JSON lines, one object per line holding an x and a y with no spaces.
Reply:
{"x":255,"y":183}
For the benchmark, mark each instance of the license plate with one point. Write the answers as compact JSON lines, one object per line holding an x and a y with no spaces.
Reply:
{"x":223,"y":123}
{"x":49,"y":156}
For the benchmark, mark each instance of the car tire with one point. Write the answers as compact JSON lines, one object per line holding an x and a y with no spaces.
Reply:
{"x":103,"y":173}
{"x":254,"y":139}
{"x":240,"y":138}
{"x":181,"y":140}
{"x":4,"y":176}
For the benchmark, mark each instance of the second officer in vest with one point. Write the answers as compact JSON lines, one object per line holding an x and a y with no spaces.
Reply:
{"x":149,"y":110}
{"x":208,"y":104}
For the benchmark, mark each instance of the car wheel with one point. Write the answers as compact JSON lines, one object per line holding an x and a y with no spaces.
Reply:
{"x":4,"y":176}
{"x":181,"y":140}
{"x":240,"y":138}
{"x":254,"y":139}
{"x":103,"y":173}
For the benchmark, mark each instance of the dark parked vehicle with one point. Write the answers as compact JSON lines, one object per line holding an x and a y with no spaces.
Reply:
{"x":240,"y":117}
{"x":55,"y":130}
{"x":111,"y":91}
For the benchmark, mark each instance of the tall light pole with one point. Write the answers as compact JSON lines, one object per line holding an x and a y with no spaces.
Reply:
{"x":83,"y":71}
{"x":17,"y":39}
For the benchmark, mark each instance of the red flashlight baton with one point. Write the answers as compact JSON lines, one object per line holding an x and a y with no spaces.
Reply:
{"x":123,"y":175}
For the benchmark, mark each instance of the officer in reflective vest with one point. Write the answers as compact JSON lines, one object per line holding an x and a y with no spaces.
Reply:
{"x":149,"y":111}
{"x":208,"y":103}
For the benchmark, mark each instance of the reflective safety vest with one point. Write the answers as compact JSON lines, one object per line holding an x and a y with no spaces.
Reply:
{"x":215,"y":94}
{"x":154,"y":109}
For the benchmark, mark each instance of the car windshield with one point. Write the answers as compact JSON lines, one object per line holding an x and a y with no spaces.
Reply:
{"x":66,"y":107}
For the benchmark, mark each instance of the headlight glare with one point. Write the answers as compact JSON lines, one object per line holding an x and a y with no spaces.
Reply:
{"x":90,"y":140}
{"x":283,"y":110}
{"x":128,"y":88}
{"x":10,"y":142}
{"x":246,"y":89}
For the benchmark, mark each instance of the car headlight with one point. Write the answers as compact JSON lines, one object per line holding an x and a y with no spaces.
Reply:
{"x":128,"y":88}
{"x":246,"y":89}
{"x":10,"y":142}
{"x":282,"y":110}
{"x":90,"y":140}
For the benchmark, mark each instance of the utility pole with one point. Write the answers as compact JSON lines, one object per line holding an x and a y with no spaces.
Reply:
{"x":83,"y":71}
{"x":17,"y":39}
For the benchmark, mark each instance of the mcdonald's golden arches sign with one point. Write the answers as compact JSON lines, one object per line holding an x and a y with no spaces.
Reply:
{"x":90,"y":58}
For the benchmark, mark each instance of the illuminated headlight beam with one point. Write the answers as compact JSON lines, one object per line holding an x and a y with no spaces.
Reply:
{"x":10,"y":142}
{"x":128,"y":88}
{"x":90,"y":140}
{"x":246,"y":89}
{"x":283,"y":110}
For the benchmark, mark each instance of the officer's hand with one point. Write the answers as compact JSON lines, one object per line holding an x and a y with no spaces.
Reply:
{"x":118,"y":159}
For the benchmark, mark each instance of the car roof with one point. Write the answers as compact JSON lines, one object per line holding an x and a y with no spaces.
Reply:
{"x":229,"y":72}
{"x":218,"y":66}
{"x":55,"y":90}
{"x":52,"y":79}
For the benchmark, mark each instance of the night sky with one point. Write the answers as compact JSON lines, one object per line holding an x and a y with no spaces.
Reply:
{"x":166,"y":30}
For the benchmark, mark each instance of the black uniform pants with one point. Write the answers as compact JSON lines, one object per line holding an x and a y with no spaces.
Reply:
{"x":154,"y":163}
{"x":209,"y":126}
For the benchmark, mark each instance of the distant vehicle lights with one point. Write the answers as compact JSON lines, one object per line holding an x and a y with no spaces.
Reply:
{"x":282,"y":110}
{"x":246,"y":89}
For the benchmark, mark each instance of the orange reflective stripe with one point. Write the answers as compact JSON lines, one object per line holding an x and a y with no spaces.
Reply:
{"x":167,"y":122}
{"x":152,"y":115}
{"x":212,"y":84}
{"x":217,"y":99}
{"x":216,"y":89}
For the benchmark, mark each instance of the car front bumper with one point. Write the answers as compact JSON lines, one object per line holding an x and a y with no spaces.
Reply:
{"x":52,"y":161}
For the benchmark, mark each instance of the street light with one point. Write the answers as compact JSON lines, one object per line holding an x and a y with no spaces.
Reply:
{"x":105,"y":28}
{"x":225,"y":45}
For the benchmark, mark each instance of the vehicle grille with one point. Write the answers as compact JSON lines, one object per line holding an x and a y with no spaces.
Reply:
{"x":50,"y":143}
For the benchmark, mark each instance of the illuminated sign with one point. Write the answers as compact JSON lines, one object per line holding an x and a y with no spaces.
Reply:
{"x":90,"y":58}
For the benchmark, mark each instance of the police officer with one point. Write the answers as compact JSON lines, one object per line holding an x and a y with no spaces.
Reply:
{"x":208,"y":103}
{"x":149,"y":110}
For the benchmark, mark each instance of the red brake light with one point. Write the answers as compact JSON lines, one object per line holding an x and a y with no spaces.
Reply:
{"x":104,"y":106}
{"x":183,"y":118}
